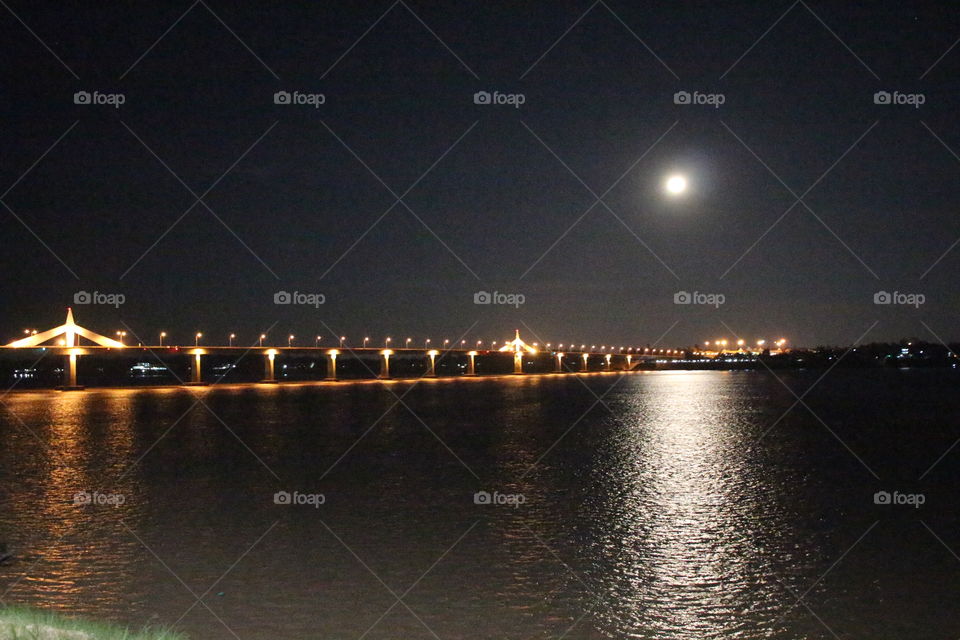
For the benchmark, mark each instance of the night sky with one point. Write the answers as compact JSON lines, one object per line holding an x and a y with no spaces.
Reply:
{"x":295,"y":197}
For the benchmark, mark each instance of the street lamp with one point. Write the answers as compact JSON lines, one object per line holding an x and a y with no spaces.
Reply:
{"x":386,"y":343}
{"x":290,"y":340}
{"x":408,"y":342}
{"x":262,"y":336}
{"x":317,"y":341}
{"x":196,"y":339}
{"x":163,"y":334}
{"x":365,"y":341}
{"x":230,"y":342}
{"x":426,"y":343}
{"x":342,"y":340}
{"x":121,"y":335}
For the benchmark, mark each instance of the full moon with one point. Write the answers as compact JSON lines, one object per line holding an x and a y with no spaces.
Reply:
{"x":676,"y":184}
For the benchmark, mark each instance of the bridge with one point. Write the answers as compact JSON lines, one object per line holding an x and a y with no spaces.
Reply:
{"x":65,"y":341}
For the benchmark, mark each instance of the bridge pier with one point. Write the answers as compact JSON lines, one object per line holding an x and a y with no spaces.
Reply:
{"x":196,"y":380}
{"x":559,"y":367}
{"x":629,"y":357}
{"x":70,"y":374}
{"x":385,"y":364}
{"x":269,"y":364}
{"x":332,"y":371}
{"x":431,"y":369}
{"x":471,"y":367}
{"x":585,"y":357}
{"x":517,"y":363}
{"x":606,"y":359}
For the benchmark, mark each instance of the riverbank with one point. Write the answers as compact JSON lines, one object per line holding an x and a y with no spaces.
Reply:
{"x":18,"y":623}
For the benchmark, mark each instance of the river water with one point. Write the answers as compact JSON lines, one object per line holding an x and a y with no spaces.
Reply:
{"x":647,"y":505}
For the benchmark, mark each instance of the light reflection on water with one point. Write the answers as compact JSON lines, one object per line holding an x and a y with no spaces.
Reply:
{"x":662,"y":517}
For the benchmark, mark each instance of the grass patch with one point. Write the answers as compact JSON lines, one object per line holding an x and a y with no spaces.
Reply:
{"x":17,"y":623}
